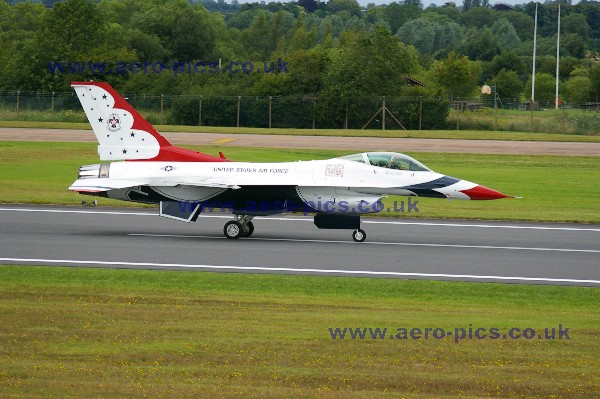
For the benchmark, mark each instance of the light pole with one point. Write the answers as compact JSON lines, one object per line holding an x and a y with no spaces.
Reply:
{"x":485,"y":89}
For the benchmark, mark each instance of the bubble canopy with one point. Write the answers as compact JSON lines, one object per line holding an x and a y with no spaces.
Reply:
{"x":389,"y":160}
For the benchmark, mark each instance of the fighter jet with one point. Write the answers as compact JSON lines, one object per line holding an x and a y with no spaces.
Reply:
{"x":143,"y":166}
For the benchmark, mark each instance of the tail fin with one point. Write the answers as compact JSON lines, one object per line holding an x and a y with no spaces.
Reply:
{"x":122,"y":133}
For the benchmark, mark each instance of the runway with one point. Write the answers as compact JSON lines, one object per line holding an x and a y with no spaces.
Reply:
{"x":527,"y":253}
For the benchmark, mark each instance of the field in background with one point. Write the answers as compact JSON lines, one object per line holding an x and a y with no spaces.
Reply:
{"x":554,"y":188}
{"x":562,"y":136}
{"x":578,"y":122}
{"x":124,"y":333}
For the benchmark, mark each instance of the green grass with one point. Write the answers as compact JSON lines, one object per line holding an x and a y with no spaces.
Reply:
{"x":559,"y":189}
{"x":74,"y":333}
{"x":424,"y":134}
{"x":562,"y":121}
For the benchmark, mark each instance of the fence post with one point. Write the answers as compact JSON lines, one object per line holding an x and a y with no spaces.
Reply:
{"x":238,"y":110}
{"x":52,"y":106}
{"x":270,"y":110}
{"x":314,"y":110}
{"x":18,"y":95}
{"x":420,"y":111}
{"x":162,"y":97}
{"x":383,"y":114}
{"x":200,"y":111}
{"x":346,"y":118}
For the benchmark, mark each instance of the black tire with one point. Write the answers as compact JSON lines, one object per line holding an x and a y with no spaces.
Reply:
{"x":359,"y":235}
{"x":233,"y":230}
{"x":248,"y":230}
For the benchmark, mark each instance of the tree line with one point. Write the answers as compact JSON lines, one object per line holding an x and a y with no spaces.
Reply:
{"x":337,"y":51}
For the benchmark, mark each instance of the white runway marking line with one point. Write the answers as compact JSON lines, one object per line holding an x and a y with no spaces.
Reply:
{"x":296,"y":219}
{"x":289,"y":269}
{"x":407,"y":244}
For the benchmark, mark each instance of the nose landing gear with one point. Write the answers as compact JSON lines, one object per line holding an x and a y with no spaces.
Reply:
{"x":359,"y":235}
{"x":242,"y":226}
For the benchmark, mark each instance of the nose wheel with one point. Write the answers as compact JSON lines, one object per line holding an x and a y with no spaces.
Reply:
{"x":241,"y":227}
{"x":359,"y":235}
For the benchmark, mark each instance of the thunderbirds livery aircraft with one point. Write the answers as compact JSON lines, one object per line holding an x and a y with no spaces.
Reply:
{"x":142,"y":166}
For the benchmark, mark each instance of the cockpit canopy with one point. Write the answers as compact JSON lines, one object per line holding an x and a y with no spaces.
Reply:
{"x":390,"y":160}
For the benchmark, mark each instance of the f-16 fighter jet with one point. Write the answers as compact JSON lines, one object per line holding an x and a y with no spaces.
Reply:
{"x":142,"y":166}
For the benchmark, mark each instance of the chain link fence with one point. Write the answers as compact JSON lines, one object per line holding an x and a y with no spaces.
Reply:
{"x":311,"y":112}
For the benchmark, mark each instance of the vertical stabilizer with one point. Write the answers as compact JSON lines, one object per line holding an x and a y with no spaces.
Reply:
{"x":122,"y":133}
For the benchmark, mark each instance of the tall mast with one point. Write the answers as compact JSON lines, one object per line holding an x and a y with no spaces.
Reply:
{"x":534,"y":46}
{"x":557,"y":58}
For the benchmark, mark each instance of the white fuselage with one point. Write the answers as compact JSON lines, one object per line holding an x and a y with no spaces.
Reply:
{"x":315,"y":181}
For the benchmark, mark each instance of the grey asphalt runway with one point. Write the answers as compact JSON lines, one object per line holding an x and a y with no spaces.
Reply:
{"x":529,"y":253}
{"x":357,"y":144}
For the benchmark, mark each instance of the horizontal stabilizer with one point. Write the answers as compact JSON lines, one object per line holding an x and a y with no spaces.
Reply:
{"x":94,"y":185}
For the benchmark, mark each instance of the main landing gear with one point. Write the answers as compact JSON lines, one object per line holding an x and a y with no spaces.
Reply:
{"x":242,"y":226}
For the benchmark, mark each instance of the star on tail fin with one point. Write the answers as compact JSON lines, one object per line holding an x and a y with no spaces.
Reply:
{"x":122,"y":133}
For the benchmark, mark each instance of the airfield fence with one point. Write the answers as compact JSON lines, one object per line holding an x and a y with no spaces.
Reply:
{"x":310,"y":112}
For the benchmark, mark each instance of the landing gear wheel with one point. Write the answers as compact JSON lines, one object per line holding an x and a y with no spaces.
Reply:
{"x":233,"y":229}
{"x":359,"y":235}
{"x":248,"y":230}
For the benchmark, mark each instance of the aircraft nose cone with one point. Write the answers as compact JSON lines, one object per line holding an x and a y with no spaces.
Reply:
{"x":483,"y":193}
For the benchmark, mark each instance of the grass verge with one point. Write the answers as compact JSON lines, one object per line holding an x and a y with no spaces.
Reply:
{"x":556,"y":189}
{"x":421,"y":134}
{"x":69,"y":332}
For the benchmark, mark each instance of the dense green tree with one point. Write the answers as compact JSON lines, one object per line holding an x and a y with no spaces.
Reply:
{"x":419,"y":33}
{"x":457,"y":75}
{"x":300,"y":38}
{"x":186,"y":31}
{"x":572,"y":44}
{"x":578,"y":88}
{"x":522,"y":22}
{"x":369,"y":64}
{"x":374,"y":62}
{"x":242,"y":19}
{"x":86,"y":31}
{"x":480,"y":44}
{"x":569,"y":64}
{"x":576,"y":24}
{"x":350,"y":6}
{"x":448,"y":10}
{"x":314,"y":35}
{"x":508,"y":85}
{"x":19,"y":26}
{"x":306,"y":66}
{"x":397,"y":14}
{"x":122,"y":11}
{"x":257,"y":39}
{"x":594,"y":74}
{"x":508,"y":61}
{"x":545,"y":88}
{"x":591,"y":10}
{"x":308,"y":5}
{"x":148,"y":47}
{"x":478,"y":17}
{"x":448,"y":36}
{"x":506,"y":34}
